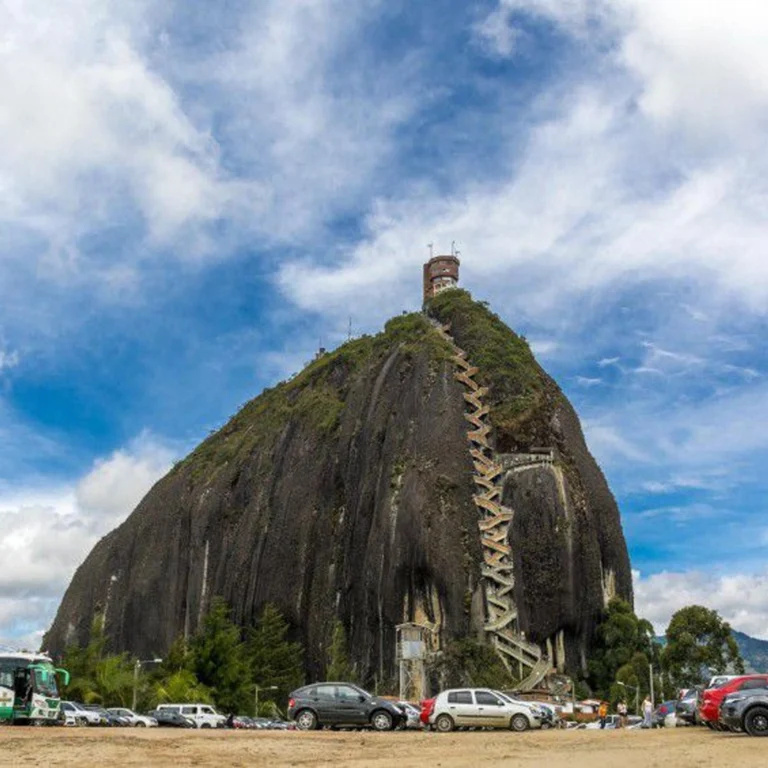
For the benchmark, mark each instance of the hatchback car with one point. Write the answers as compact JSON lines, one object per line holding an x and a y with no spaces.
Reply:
{"x":341,"y":704}
{"x":481,"y":707}
{"x":746,"y":711}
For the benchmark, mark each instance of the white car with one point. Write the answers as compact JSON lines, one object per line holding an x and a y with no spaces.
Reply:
{"x":481,"y":708}
{"x":202,"y":715}
{"x":412,"y":713}
{"x":142,"y":721}
{"x":79,"y":714}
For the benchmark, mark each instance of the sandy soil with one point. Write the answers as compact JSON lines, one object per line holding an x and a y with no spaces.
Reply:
{"x":680,"y":748}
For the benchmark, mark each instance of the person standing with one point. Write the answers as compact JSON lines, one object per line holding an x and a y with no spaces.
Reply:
{"x":603,"y":713}
{"x":647,"y":712}
{"x":621,"y":709}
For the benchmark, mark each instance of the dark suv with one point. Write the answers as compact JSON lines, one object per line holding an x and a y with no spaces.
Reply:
{"x":334,"y":704}
{"x":746,"y":711}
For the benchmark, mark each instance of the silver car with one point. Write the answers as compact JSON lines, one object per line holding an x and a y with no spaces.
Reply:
{"x":481,"y":708}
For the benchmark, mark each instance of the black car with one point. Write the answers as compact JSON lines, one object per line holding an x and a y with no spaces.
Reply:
{"x":746,"y":711}
{"x":341,"y":704}
{"x":687,"y":707}
{"x":166,"y":719}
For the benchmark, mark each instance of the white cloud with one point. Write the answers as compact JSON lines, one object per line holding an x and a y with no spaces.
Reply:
{"x":89,"y":130}
{"x":8,"y":359}
{"x":45,"y":535}
{"x":741,"y":599}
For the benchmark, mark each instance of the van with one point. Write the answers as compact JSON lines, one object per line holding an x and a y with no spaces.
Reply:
{"x":202,"y":715}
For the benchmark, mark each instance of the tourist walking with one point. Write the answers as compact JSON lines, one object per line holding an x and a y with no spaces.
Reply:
{"x":603,"y":714}
{"x":647,"y":712}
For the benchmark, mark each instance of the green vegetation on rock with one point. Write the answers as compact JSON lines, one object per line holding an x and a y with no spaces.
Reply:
{"x":507,"y":366}
{"x":314,"y":397}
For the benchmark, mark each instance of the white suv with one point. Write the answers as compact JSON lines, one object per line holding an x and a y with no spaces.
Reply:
{"x":202,"y":715}
{"x":79,"y":714}
{"x":481,"y":708}
{"x":142,"y":721}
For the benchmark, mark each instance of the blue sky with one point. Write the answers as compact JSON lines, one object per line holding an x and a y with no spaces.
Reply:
{"x":194,"y":197}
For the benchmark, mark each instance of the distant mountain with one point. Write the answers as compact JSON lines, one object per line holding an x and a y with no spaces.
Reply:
{"x":753,"y":651}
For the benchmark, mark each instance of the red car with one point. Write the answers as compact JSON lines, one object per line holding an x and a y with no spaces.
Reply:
{"x":709,"y":711}
{"x":427,"y":705}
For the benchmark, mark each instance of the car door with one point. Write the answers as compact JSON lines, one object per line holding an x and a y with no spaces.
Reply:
{"x":490,"y":710}
{"x":350,"y":709}
{"x":326,"y":705}
{"x":461,"y":707}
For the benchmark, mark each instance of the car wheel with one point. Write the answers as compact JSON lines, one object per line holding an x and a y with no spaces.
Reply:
{"x":545,"y":726}
{"x":141,"y":725}
{"x":444,"y":724}
{"x":306,"y":720}
{"x":381,"y":721}
{"x":519,"y":723}
{"x":205,"y":725}
{"x":756,"y":722}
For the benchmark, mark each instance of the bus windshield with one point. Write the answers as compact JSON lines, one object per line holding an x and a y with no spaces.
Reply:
{"x":44,"y":678}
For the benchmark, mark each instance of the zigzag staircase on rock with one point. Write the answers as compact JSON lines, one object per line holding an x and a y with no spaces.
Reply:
{"x":494,"y":523}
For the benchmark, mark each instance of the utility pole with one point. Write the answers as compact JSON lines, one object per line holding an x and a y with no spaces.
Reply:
{"x":650,"y":670}
{"x":136,"y":668}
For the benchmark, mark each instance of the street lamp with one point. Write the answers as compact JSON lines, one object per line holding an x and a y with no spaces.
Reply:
{"x":637,"y":698}
{"x":136,"y":667}
{"x":257,"y":690}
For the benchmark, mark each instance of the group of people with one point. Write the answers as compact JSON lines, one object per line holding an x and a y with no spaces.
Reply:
{"x":621,"y":711}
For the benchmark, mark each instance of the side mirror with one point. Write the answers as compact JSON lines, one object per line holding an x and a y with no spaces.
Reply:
{"x":361,"y":698}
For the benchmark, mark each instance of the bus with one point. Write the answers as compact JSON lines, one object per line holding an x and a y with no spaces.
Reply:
{"x":29,"y":693}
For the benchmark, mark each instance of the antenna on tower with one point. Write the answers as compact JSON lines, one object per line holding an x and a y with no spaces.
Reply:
{"x":453,"y":247}
{"x":431,"y":249}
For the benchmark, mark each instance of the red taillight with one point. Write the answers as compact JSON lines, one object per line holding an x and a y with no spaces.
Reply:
{"x":291,"y":703}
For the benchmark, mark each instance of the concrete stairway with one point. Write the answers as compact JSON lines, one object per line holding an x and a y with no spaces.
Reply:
{"x":523,"y":659}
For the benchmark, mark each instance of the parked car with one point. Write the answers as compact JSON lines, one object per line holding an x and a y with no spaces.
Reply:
{"x":427,"y":705}
{"x":746,"y":710}
{"x":547,"y":712}
{"x":481,"y":707}
{"x":687,"y":705}
{"x":202,"y":715}
{"x":709,"y":711}
{"x":341,"y":704}
{"x":412,"y":714}
{"x":612,"y":723}
{"x":171,"y":719}
{"x":664,"y":716}
{"x":141,"y":721}
{"x":80,"y":714}
{"x":109,"y":719}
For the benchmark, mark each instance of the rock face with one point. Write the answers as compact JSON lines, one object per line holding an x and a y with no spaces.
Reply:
{"x":347,"y":493}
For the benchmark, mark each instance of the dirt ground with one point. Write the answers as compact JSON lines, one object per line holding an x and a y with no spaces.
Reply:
{"x":680,"y":748}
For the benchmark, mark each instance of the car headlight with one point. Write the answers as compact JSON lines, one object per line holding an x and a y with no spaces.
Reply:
{"x":732,"y":699}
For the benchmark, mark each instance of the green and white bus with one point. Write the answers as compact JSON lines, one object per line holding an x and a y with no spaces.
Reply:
{"x":29,"y":693}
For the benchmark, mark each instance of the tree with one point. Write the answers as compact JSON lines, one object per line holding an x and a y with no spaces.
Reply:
{"x":339,"y":667}
{"x":273,"y":660}
{"x":181,"y":685}
{"x":699,"y":643}
{"x":619,"y":638}
{"x":219,"y":661}
{"x":471,"y":664}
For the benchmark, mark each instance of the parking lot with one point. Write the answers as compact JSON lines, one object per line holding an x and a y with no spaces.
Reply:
{"x":680,"y":747}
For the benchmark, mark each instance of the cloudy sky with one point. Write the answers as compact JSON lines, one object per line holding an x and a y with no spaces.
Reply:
{"x":194,"y":196}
